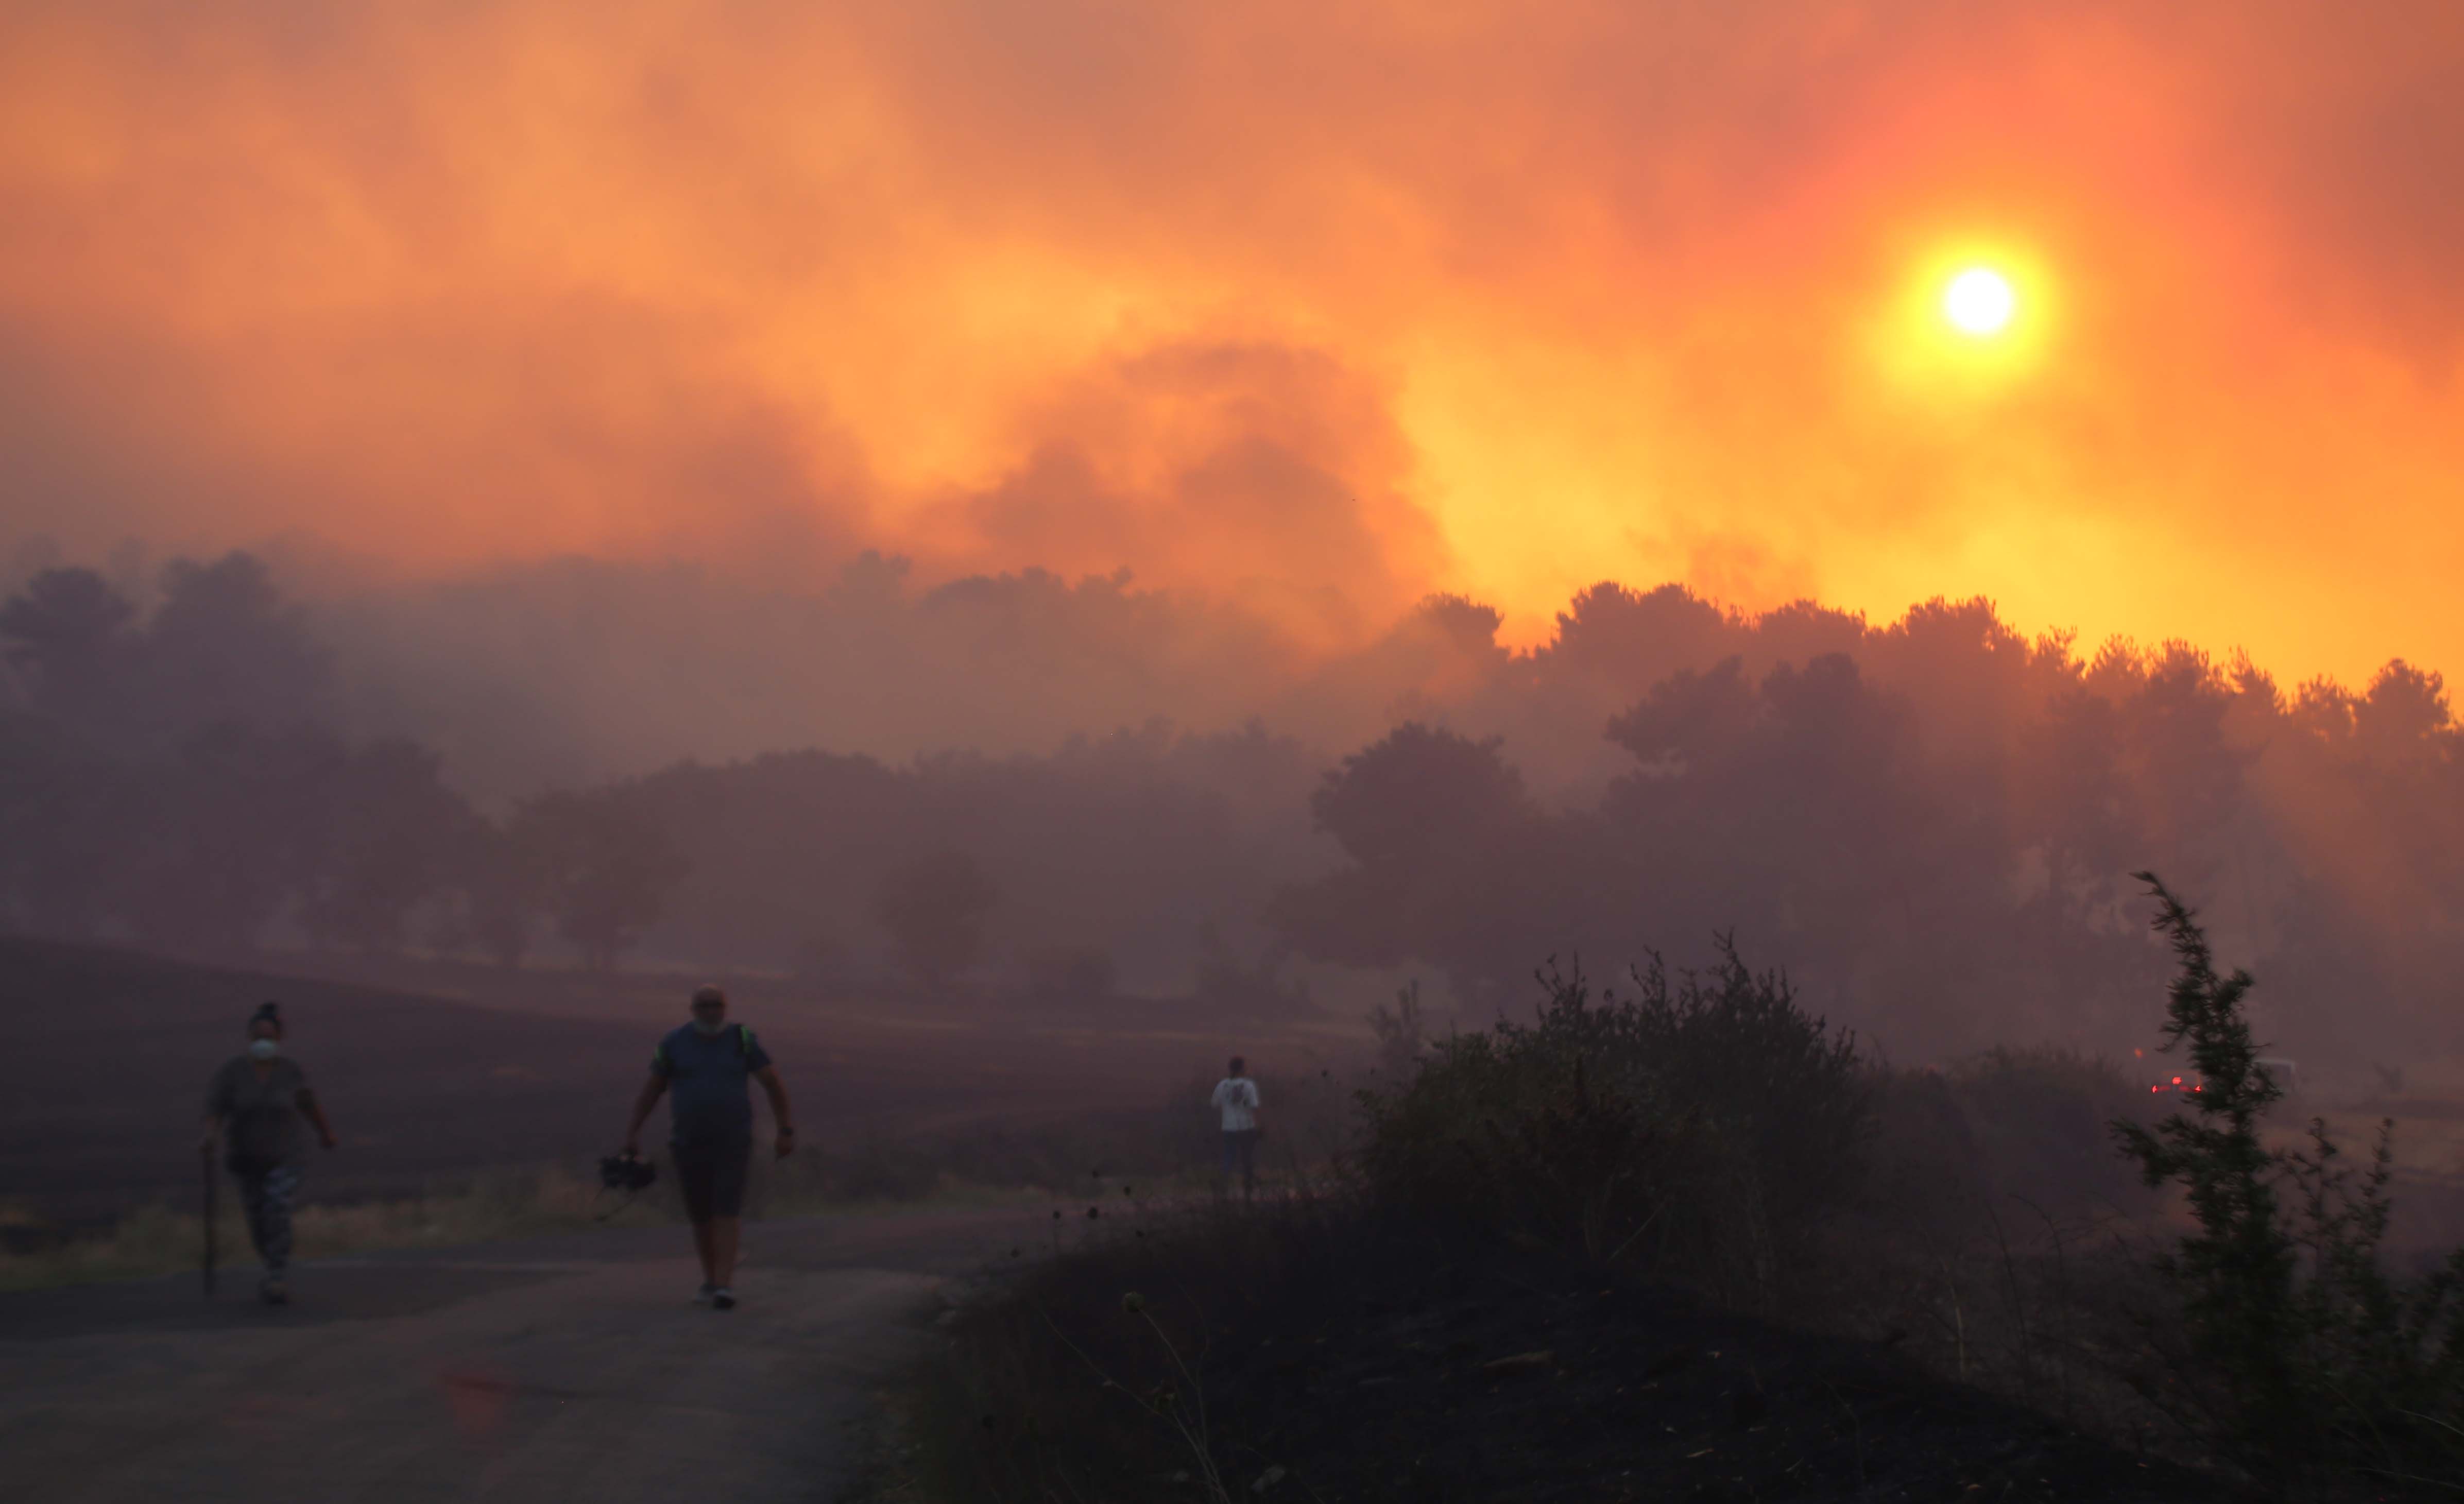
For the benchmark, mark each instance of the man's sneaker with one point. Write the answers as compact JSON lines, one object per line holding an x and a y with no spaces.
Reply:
{"x":723,"y":1298}
{"x":274,"y":1292}
{"x":701,"y":1296}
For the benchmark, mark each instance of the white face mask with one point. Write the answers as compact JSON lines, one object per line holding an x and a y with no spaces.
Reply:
{"x":709,"y":1027}
{"x":264,"y":1048}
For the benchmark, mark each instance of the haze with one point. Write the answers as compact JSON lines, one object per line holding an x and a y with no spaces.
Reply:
{"x":1310,"y":310}
{"x":1036,"y":408}
{"x":1627,"y":605}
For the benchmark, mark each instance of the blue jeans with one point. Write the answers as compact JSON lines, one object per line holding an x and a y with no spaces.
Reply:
{"x":267,"y":1194}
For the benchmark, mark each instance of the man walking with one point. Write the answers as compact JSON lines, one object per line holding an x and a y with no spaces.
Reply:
{"x":1235,"y":1098}
{"x":706,"y":1064}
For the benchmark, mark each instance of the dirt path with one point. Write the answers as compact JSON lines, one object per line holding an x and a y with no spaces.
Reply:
{"x":566,"y":1368}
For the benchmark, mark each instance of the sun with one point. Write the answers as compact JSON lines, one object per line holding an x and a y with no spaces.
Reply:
{"x":1967,"y":317}
{"x":1979,"y":302}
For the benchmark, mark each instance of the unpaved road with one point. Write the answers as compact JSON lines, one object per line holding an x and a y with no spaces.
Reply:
{"x":574,"y":1368}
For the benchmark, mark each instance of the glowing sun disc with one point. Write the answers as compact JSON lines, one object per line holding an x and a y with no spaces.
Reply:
{"x":1979,"y":302}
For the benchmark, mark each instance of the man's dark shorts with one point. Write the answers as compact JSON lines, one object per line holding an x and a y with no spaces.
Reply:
{"x":1241,"y":1151}
{"x":711,"y":1177}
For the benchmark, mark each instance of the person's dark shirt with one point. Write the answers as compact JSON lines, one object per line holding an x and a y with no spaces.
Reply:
{"x":260,"y":1115}
{"x":708,"y":1100}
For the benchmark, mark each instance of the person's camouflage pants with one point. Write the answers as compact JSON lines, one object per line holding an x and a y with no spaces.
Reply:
{"x":267,"y":1199}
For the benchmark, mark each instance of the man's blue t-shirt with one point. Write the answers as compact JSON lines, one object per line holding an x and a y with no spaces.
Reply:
{"x":708,"y":1101}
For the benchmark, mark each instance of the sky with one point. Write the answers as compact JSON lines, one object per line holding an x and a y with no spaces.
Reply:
{"x":1306,"y":308}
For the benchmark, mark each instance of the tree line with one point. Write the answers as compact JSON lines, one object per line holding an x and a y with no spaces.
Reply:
{"x":176,"y":778}
{"x":1846,"y":795}
{"x":1932,"y":822}
{"x":181,"y":778}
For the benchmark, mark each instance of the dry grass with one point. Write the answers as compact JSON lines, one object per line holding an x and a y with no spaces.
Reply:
{"x":988,"y":1164}
{"x":160,"y":1240}
{"x":499,"y":1204}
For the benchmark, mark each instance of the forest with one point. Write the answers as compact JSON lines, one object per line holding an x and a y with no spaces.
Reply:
{"x":1930,"y":822}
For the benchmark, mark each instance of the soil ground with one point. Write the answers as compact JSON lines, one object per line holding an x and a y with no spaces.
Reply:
{"x":574,"y":1369}
{"x":1362,"y":1366}
{"x":1482,"y":1382}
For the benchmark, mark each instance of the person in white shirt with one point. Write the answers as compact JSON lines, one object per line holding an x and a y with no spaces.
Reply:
{"x":1235,"y":1098}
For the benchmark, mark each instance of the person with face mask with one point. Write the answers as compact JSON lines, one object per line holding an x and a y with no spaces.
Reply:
{"x":707,"y":1064}
{"x":253,"y":1106}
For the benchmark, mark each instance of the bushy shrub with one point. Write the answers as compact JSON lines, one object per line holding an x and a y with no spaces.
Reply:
{"x":1705,"y":1126}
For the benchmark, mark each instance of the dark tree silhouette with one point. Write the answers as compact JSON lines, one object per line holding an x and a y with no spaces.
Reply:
{"x":387,"y":834}
{"x":497,"y":887}
{"x":68,"y":633}
{"x":1396,"y":801}
{"x":70,"y":826}
{"x":933,"y":910}
{"x":223,"y":646}
{"x":182,"y":776}
{"x":1633,"y":639}
{"x":230,"y":837}
{"x":605,"y":871}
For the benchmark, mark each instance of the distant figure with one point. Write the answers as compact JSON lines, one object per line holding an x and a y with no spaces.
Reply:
{"x":1236,"y":1096}
{"x":254,"y":1104}
{"x":708,"y":1062}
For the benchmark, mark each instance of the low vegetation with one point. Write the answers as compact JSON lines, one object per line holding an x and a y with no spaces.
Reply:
{"x":1680,"y":1162}
{"x":160,"y":1240}
{"x":512,"y":1203}
{"x":1153,"y":1150}
{"x":1706,"y":1127}
{"x":1312,"y":1348}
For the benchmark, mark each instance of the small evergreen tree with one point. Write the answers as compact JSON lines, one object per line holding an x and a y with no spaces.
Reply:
{"x":2323,"y":1361}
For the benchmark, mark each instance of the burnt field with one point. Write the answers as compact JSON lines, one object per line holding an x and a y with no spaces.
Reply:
{"x":1317,"y":1352}
{"x":512,"y":1068}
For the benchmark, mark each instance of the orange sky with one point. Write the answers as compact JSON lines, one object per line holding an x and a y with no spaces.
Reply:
{"x":1316,"y":305}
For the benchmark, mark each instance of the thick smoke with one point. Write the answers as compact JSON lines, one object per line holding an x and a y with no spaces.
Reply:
{"x":1312,"y":310}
